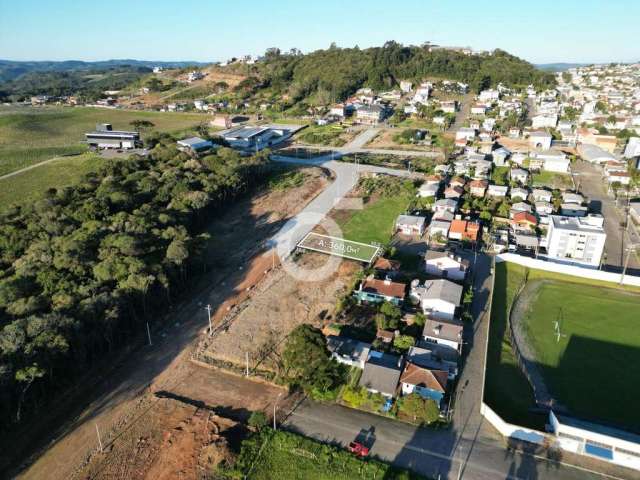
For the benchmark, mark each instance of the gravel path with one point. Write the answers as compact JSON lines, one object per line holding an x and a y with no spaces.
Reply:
{"x":526,"y":352}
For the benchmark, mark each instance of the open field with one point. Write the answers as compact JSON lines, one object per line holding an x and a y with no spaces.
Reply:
{"x":375,"y":222}
{"x":289,"y":456}
{"x":30,"y":135}
{"x":32,"y":185}
{"x":506,"y":389}
{"x":552,"y":180}
{"x":333,"y":134}
{"x":599,"y":330}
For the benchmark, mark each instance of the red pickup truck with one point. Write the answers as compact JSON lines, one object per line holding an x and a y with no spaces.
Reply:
{"x":358,"y":449}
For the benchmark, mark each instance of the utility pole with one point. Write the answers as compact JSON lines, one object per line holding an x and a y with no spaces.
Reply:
{"x":208,"y":307}
{"x":275,"y":404}
{"x":99,"y":440}
{"x":630,"y":249}
{"x":246,"y":356}
{"x":149,"y":335}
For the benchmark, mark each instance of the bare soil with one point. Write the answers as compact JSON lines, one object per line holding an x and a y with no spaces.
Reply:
{"x":279,"y":305}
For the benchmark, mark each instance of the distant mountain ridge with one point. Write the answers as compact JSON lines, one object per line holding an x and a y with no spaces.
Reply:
{"x":12,"y":69}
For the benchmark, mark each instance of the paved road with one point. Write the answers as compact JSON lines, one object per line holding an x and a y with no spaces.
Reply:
{"x":362,"y":138}
{"x":378,"y":151}
{"x":590,"y":181}
{"x":346,"y":177}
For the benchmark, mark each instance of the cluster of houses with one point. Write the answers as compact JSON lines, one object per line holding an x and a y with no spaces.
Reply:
{"x":430,"y":366}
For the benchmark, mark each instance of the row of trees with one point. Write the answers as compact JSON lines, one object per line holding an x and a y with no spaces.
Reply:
{"x":335,"y":73}
{"x":83,"y":270}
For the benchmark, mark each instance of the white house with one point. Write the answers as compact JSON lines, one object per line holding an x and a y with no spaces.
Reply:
{"x":519,"y":175}
{"x":348,"y":351}
{"x":466,"y":133}
{"x":541,"y":140}
{"x":427,"y":190}
{"x":541,"y":195}
{"x":446,"y":204}
{"x":497,"y":190}
{"x":411,"y":224}
{"x":445,"y":333}
{"x":437,"y":298}
{"x":543,"y":121}
{"x":446,"y":265}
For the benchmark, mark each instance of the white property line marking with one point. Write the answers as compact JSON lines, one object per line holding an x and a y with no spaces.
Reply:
{"x":300,"y":245}
{"x":443,"y":456}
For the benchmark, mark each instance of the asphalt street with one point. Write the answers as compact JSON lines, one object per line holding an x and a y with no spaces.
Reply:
{"x":589,"y":179}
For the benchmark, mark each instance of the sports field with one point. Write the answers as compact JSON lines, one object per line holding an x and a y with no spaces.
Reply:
{"x":592,"y":369}
{"x":591,"y":358}
{"x":339,"y":247}
{"x":30,"y":135}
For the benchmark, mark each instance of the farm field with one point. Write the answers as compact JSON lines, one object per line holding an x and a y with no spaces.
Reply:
{"x":291,"y":456}
{"x":598,"y":330}
{"x":32,"y":185}
{"x":30,"y":135}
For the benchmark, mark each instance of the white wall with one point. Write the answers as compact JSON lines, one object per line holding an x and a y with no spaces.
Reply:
{"x":439,"y":308}
{"x":568,"y":269}
{"x":509,"y":430}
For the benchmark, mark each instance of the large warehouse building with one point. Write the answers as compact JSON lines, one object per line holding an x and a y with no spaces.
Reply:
{"x":105,"y":137}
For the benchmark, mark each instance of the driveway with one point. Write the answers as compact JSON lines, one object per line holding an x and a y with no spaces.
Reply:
{"x":362,"y":138}
{"x":591,"y":184}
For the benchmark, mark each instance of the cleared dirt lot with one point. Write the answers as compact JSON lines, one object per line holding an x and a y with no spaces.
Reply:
{"x":278,"y":305}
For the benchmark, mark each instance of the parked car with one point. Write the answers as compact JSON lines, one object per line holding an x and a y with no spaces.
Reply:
{"x":358,"y":449}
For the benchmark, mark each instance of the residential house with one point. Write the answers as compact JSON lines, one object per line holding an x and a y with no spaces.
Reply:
{"x":448,"y":334}
{"x":428,"y":190}
{"x":540,"y":140}
{"x":381,"y":373}
{"x":467,"y":134}
{"x":543,"y":121}
{"x":552,"y":162}
{"x":385,"y":336}
{"x":527,"y":241}
{"x":454,"y":192}
{"x":478,"y":109}
{"x":541,"y":195}
{"x":570,"y":197}
{"x":515,"y":132}
{"x":338,"y":110}
{"x":434,"y":357}
{"x":519,"y":207}
{"x":445,"y":204}
{"x":465,"y":230}
{"x":518,"y":192}
{"x":457,"y":182}
{"x":623,"y":178}
{"x":373,"y":290}
{"x":348,"y":351}
{"x":544,"y":208}
{"x":370,"y":114}
{"x":446,"y":265}
{"x":524,"y":222}
{"x":519,"y":175}
{"x":497,"y":191}
{"x":573,"y":210}
{"x":411,"y":224}
{"x":437,"y":298}
{"x":500,"y":156}
{"x":595,"y":154}
{"x":439,"y":228}
{"x":478,"y":187}
{"x":387,"y":266}
{"x":429,"y":384}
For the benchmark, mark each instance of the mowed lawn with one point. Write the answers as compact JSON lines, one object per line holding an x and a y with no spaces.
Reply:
{"x":32,"y":185}
{"x":376,"y":221}
{"x":30,"y":135}
{"x":552,"y":180}
{"x":593,"y":368}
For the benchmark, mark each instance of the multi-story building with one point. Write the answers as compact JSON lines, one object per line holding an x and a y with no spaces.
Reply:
{"x":576,"y":240}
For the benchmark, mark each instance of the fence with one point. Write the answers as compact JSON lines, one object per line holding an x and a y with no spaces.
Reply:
{"x":568,"y":269}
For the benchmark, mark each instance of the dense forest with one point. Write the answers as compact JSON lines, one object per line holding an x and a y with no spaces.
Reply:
{"x":82,"y":270}
{"x":333,"y":74}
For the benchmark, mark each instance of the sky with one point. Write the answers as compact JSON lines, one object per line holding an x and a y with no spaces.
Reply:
{"x":542,"y":31}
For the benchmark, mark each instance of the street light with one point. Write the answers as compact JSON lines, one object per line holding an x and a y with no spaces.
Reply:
{"x":208,"y":308}
{"x":275,"y":404}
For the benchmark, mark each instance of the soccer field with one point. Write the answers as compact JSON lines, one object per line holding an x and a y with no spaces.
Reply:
{"x":591,"y":360}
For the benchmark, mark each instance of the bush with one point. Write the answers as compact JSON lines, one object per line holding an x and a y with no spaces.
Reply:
{"x":419,"y":409}
{"x":258,"y":419}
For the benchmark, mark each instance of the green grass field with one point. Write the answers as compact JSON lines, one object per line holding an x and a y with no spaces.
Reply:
{"x":598,"y":325}
{"x":32,"y":185}
{"x":30,"y":135}
{"x":376,"y":221}
{"x":289,"y":456}
{"x":594,"y":366}
{"x":552,"y":179}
